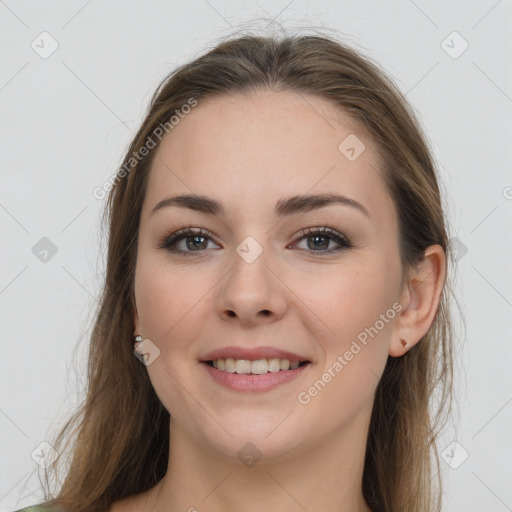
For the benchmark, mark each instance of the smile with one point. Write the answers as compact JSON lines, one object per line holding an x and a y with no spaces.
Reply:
{"x":259,"y":375}
{"x":255,"y":367}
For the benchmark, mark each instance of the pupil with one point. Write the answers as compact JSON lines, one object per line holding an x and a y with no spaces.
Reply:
{"x":319,"y":238}
{"x":194,"y":240}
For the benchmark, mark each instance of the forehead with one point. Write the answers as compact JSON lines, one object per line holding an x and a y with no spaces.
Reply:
{"x":263,"y":146}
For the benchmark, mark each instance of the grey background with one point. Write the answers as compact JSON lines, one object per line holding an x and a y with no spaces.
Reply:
{"x":67,"y":118}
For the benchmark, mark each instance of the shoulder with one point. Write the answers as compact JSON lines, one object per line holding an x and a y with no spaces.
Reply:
{"x":39,"y":508}
{"x":35,"y":508}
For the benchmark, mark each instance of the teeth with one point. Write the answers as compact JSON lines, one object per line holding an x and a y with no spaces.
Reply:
{"x":257,"y":367}
{"x":230,"y":365}
{"x":242,"y":366}
{"x":273,"y":365}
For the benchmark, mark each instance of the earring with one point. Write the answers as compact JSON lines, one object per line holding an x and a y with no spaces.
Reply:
{"x":137,"y":339}
{"x":404,"y":343}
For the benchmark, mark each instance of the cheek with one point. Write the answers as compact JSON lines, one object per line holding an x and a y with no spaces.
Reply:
{"x":349,"y":302}
{"x":357,"y":309}
{"x":355,"y":306}
{"x":169,"y":302}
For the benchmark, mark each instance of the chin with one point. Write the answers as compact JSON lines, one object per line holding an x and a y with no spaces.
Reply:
{"x":254,"y":448}
{"x":256,"y":436}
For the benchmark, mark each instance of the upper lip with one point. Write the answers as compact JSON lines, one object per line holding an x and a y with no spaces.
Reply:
{"x":252,"y":354}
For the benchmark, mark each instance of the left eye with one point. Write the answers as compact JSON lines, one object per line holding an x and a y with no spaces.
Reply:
{"x":321,"y":238}
{"x":188,"y":241}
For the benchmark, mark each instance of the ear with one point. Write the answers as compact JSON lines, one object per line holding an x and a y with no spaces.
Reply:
{"x":420,"y":298}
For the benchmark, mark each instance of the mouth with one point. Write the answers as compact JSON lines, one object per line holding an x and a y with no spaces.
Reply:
{"x":256,"y":375}
{"x":255,"y":366}
{"x":254,"y":369}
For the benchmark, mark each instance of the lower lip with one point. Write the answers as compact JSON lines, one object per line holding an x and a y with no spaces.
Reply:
{"x":247,"y":382}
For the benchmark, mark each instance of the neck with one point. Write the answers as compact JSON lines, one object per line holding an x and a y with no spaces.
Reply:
{"x":326,"y":477}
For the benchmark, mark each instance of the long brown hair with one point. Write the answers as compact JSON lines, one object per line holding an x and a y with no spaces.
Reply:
{"x":118,"y":440}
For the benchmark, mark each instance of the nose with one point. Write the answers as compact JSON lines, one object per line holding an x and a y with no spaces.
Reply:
{"x":251,"y":293}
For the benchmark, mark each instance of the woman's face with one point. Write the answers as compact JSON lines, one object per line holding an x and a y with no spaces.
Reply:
{"x":259,"y":280}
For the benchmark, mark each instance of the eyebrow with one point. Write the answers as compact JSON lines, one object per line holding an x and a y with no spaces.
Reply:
{"x":288,"y":206}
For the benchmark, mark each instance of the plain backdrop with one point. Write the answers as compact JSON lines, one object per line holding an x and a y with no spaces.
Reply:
{"x":75,"y":80}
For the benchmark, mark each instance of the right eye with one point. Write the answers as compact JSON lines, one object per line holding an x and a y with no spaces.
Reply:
{"x":186,"y":241}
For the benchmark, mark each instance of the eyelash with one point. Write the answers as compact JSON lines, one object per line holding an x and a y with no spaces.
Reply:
{"x":169,"y":240}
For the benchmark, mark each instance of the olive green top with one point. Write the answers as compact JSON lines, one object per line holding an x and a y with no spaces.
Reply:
{"x":38,"y":508}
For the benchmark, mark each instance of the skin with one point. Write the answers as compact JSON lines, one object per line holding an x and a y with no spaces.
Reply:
{"x":248,"y":152}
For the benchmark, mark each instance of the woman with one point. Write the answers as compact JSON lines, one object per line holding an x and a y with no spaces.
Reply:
{"x":278,"y":262}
